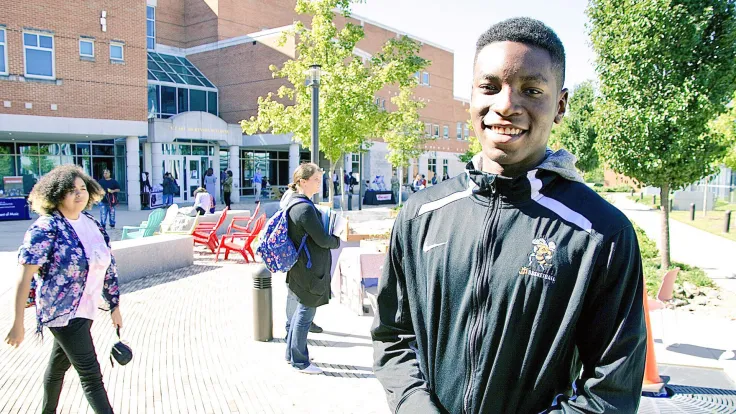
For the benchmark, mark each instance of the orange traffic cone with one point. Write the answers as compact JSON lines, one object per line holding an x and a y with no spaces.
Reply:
{"x":653,"y":383}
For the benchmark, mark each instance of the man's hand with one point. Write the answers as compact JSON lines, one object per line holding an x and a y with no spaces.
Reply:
{"x":16,"y":335}
{"x":117,"y":318}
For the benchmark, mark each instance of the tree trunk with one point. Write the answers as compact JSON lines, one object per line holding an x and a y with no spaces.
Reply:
{"x":664,"y":194}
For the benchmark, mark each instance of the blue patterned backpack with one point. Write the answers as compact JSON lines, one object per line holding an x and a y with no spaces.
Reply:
{"x":276,"y":248}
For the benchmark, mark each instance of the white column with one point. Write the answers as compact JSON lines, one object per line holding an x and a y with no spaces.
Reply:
{"x":157,"y":160}
{"x":293,"y":158}
{"x":132,"y":156}
{"x":235,"y":168}
{"x":216,"y":169}
{"x":147,"y":161}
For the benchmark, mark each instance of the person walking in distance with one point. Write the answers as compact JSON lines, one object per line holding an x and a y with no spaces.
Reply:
{"x":210,"y":182}
{"x":227,"y":188}
{"x":111,"y":189}
{"x":169,"y":189}
{"x":67,"y":263}
{"x":258,"y":183}
{"x":512,"y":288}
{"x":309,"y":279}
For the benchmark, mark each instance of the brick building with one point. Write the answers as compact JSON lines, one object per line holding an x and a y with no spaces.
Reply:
{"x":161,"y":85}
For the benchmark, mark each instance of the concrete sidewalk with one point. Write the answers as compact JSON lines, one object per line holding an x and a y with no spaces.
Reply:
{"x":713,"y":254}
{"x":191,"y":334}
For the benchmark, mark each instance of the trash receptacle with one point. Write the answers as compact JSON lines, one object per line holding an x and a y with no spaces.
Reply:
{"x":262,"y":304}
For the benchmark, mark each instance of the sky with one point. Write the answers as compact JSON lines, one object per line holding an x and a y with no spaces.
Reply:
{"x":457,"y":24}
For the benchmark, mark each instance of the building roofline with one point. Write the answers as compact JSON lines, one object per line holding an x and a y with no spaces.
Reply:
{"x":400,"y":32}
{"x":461,"y":99}
{"x":221,"y":44}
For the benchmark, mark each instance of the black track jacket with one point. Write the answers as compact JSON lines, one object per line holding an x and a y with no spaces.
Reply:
{"x":496,"y":292}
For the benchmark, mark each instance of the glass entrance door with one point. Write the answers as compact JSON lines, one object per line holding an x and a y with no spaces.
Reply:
{"x":196,"y":168}
{"x":173,"y":165}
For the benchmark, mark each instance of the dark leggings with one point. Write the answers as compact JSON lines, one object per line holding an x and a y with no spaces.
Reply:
{"x":227,"y":199}
{"x":73,"y":346}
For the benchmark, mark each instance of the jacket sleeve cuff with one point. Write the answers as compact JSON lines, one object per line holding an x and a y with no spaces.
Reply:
{"x":419,"y":401}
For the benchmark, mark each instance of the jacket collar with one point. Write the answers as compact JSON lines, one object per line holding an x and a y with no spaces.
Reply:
{"x":556,"y":165}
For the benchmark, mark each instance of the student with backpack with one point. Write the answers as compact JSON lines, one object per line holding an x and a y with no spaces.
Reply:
{"x":305,"y":255}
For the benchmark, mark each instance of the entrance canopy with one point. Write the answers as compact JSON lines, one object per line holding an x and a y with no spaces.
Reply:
{"x":194,"y":125}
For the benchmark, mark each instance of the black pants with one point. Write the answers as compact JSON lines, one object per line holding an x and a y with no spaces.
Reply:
{"x":227,"y":199}
{"x":200,"y":211}
{"x":73,"y":346}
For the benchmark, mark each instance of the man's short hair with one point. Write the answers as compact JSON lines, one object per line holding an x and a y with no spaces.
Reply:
{"x":529,"y":32}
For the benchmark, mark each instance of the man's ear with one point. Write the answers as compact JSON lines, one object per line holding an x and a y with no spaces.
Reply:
{"x":561,"y":105}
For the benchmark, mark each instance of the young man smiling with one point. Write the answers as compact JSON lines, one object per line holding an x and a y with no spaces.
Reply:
{"x":512,"y":287}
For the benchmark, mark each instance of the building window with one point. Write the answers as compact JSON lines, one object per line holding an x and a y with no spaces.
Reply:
{"x":445,"y":132}
{"x":150,"y":27}
{"x":355,"y":167}
{"x":3,"y":53}
{"x":212,"y":102}
{"x":39,"y":55}
{"x":467,"y":133}
{"x":383,"y":104}
{"x":197,"y":100}
{"x":116,"y":52}
{"x":436,"y":131}
{"x":425,"y":78}
{"x":445,"y":169}
{"x":418,"y":76}
{"x":459,"y":130}
{"x":432,"y":165}
{"x":428,"y":129}
{"x":86,"y":48}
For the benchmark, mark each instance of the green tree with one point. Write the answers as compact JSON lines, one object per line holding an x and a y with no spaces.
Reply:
{"x":666,"y":67}
{"x":348,"y":116}
{"x":725,"y":126}
{"x":473,"y":148}
{"x":404,"y":134}
{"x":576,"y":132}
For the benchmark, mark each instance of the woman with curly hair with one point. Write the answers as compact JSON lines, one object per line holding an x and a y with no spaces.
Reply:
{"x":69,"y":254}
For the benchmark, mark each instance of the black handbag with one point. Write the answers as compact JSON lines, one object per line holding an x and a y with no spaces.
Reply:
{"x":121,"y":352}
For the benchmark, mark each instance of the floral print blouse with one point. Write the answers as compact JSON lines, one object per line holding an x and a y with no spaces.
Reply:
{"x":52,"y":244}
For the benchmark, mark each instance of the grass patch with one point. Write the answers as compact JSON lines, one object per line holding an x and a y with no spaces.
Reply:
{"x":653,"y":272}
{"x":712,"y":223}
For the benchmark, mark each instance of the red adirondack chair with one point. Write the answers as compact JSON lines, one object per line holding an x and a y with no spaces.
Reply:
{"x":228,"y":243}
{"x":235,"y":228}
{"x":207,"y":235}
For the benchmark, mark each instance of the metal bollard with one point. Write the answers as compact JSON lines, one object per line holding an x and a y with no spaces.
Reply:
{"x":641,"y":196}
{"x":654,"y":200}
{"x":672,"y":203}
{"x":692,"y":211}
{"x":262,"y":304}
{"x":350,"y":200}
{"x":727,"y":222}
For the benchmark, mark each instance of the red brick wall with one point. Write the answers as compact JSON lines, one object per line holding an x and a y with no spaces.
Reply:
{"x":241,"y":74}
{"x":98,"y":89}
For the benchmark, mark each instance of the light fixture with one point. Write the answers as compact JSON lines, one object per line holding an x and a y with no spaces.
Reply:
{"x":314,"y":72}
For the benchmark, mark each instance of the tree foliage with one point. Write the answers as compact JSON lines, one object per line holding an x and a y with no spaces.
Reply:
{"x":576,"y":132}
{"x":348,"y":116}
{"x":404,"y":135}
{"x":473,"y":148}
{"x":725,"y":126}
{"x":666,"y":67}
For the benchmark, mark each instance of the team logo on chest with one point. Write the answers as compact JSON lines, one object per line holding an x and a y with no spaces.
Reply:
{"x":540,"y":260}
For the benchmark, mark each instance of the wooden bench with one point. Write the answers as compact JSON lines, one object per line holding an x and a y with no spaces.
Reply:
{"x":139,"y":258}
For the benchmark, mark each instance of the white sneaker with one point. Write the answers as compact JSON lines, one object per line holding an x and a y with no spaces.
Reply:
{"x":311,"y":369}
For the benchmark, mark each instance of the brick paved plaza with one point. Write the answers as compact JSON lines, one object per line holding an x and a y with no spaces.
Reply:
{"x":191,"y":333}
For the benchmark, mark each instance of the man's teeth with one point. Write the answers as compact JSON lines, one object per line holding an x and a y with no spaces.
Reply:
{"x":506,"y":131}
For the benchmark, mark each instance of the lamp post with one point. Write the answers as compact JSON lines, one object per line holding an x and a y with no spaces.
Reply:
{"x":313,"y":75}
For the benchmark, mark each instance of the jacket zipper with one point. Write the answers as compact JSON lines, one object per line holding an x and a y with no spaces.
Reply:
{"x":479,"y":315}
